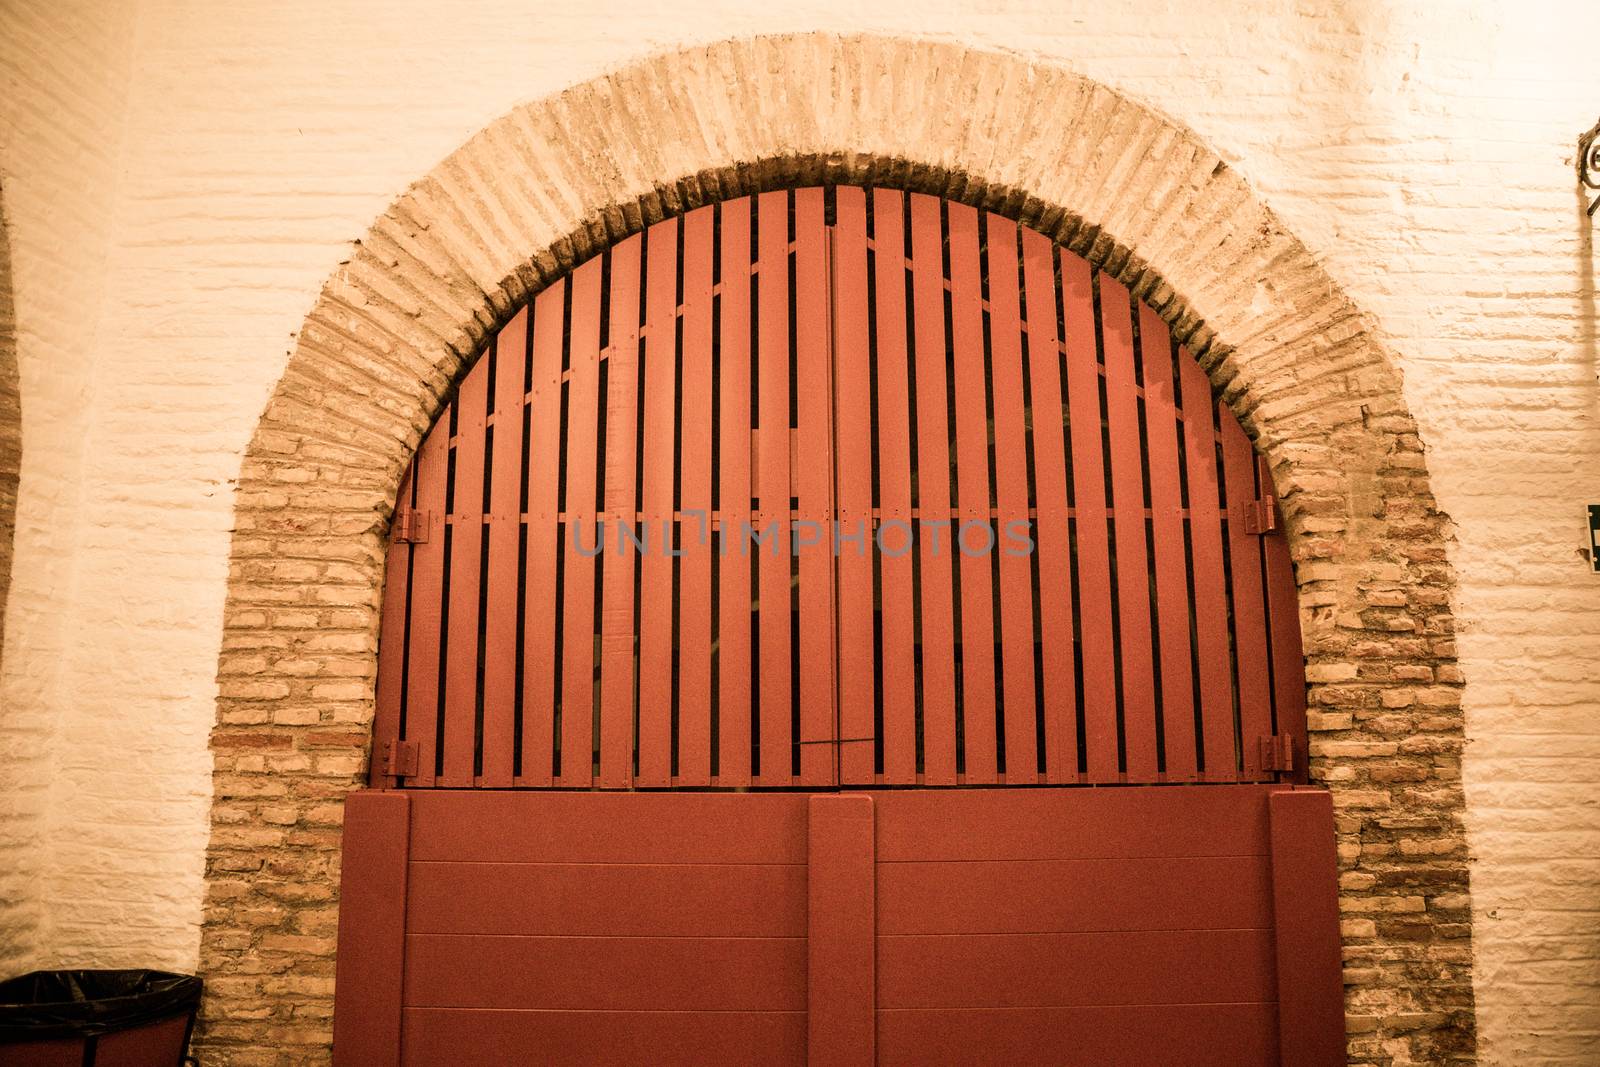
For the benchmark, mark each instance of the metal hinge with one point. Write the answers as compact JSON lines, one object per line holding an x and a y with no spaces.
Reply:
{"x":411,"y":527}
{"x":398,"y":759}
{"x":1261,"y":516}
{"x":1277,"y":753}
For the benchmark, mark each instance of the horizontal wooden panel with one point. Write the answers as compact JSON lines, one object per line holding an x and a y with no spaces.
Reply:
{"x":1063,"y":970}
{"x":1205,"y":1035}
{"x":614,"y":973}
{"x":534,"y":827}
{"x":972,"y":824}
{"x":627,"y":900}
{"x":1064,"y":896}
{"x":436,"y":1036}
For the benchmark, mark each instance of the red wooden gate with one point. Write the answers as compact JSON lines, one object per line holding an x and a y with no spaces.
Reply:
{"x":912,"y":497}
{"x":825,"y":490}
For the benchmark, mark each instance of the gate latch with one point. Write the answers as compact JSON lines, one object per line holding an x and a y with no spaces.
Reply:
{"x":411,"y":527}
{"x":399,"y":759}
{"x":1277,"y":752}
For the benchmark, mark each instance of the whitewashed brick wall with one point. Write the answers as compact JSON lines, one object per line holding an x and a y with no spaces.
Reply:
{"x":181,"y":178}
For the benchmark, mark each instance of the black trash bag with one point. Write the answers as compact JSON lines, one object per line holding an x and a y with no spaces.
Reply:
{"x":53,"y":1004}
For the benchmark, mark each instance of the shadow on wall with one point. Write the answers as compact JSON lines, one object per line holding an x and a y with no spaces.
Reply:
{"x":10,"y":419}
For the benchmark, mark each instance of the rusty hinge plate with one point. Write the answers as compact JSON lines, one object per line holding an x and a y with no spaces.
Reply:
{"x":411,"y":527}
{"x":399,"y":759}
{"x":1277,"y":753}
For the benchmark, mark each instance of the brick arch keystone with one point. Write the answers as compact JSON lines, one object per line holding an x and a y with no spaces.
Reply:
{"x":547,"y":185}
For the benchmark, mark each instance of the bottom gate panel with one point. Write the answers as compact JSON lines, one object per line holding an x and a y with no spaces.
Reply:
{"x":1193,"y":925}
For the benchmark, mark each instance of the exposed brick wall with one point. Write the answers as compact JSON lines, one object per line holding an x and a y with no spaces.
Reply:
{"x":549,"y":184}
{"x":10,"y":421}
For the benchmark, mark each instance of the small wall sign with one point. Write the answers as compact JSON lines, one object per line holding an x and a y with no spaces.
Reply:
{"x":1594,"y":537}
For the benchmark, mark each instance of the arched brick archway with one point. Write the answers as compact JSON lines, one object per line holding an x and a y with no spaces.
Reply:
{"x":545,"y":186}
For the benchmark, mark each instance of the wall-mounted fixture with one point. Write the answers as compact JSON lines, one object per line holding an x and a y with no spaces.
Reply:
{"x":1589,"y":163}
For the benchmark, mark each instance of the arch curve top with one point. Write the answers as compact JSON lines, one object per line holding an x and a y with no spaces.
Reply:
{"x":555,"y":180}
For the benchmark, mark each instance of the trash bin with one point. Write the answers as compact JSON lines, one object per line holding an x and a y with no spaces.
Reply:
{"x":97,"y":1019}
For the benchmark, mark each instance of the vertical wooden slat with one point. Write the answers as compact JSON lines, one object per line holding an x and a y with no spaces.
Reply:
{"x":427,"y":600}
{"x":466,"y":576}
{"x":392,"y":637}
{"x":1011,"y":497}
{"x":1249,"y":603}
{"x":773,"y":487}
{"x":895,"y":528}
{"x":1133,"y":566}
{"x":1053,"y":531}
{"x":853,"y":509}
{"x":694,"y":594}
{"x":1288,"y":655}
{"x":540,"y":612}
{"x":577,"y":627}
{"x":841,"y":1005}
{"x":935,"y":565}
{"x":733,"y":474}
{"x":1053,"y":535}
{"x":372,"y":929}
{"x":980,"y":737}
{"x":616,"y":607}
{"x":813,"y":482}
{"x":505,"y":550}
{"x":660,"y":444}
{"x":1089,"y":497}
{"x":1171,"y":559}
{"x":1210,"y":580}
{"x":1306,"y":927}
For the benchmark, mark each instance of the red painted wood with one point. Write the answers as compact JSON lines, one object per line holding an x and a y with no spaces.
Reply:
{"x":579,"y":533}
{"x":656,"y":608}
{"x":606,"y":973}
{"x":1171,"y":556}
{"x":392,"y":638}
{"x":427,"y":599}
{"x":977,"y":638}
{"x":617,"y":899}
{"x":893,"y":536}
{"x":1019,"y":896}
{"x":1053,"y":549}
{"x":1015,"y":594}
{"x":1305,"y":892}
{"x":1204,"y":1035}
{"x":935,"y":554}
{"x":1212,"y":641}
{"x":841,"y":997}
{"x":852,"y":426}
{"x":1097,"y":641}
{"x":1288,"y":656}
{"x":1132,"y":557}
{"x":864,"y":645}
{"x":372,"y":912}
{"x":695,"y":432}
{"x":617,"y":622}
{"x":987,"y":824}
{"x":774,"y":489}
{"x":541,"y":613}
{"x":734,"y":492}
{"x":1249,"y":604}
{"x":500,"y":652}
{"x":585,"y":1038}
{"x":813,"y":486}
{"x":466,"y":575}
{"x":534,"y":826}
{"x":1119,"y":967}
